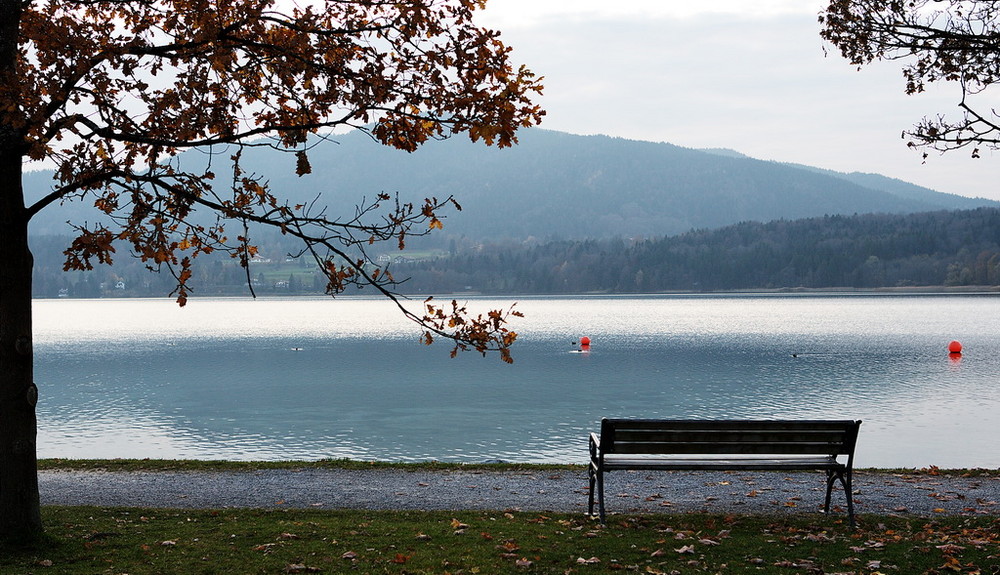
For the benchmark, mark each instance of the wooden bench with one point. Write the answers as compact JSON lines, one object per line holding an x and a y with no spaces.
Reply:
{"x":656,"y":444}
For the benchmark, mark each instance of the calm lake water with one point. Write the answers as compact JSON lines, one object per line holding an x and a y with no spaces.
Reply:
{"x":320,"y":378}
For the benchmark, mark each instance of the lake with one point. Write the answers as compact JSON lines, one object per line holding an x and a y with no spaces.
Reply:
{"x":317,"y":378}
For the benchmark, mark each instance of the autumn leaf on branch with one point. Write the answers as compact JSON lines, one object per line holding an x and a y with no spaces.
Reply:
{"x":111,"y":93}
{"x":937,"y":41}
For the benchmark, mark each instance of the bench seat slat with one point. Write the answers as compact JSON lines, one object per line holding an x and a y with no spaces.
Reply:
{"x":736,"y":464}
{"x":729,"y":447}
{"x":735,"y":435}
{"x":714,"y":425}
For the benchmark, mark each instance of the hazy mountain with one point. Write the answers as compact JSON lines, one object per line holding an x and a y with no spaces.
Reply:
{"x":557,"y":185}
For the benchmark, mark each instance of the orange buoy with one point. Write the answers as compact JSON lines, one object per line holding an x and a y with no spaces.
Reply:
{"x":955,"y":347}
{"x":585,"y":341}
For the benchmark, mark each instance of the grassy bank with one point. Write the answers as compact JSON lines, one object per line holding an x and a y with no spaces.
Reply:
{"x":86,"y":540}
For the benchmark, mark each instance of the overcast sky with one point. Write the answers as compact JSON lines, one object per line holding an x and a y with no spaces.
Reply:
{"x":749,"y":75}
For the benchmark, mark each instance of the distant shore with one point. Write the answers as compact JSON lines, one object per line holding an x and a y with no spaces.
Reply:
{"x":916,"y":290}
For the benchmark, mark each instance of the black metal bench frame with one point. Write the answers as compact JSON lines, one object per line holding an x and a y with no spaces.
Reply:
{"x":737,"y":445}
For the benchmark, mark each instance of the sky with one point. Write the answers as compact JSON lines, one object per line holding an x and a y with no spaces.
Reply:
{"x":747,"y":75}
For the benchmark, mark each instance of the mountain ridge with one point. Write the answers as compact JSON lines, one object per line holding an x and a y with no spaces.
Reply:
{"x":555,"y":185}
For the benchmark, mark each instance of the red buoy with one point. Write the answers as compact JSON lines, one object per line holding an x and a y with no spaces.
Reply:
{"x":955,"y":347}
{"x":585,"y":341}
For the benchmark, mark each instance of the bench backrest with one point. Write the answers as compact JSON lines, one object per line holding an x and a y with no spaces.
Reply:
{"x":729,"y":437}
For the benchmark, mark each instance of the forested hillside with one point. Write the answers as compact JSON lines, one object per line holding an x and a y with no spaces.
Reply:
{"x":944,"y":248}
{"x":864,"y":251}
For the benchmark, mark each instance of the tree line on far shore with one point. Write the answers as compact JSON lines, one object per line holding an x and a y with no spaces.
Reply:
{"x":945,"y":248}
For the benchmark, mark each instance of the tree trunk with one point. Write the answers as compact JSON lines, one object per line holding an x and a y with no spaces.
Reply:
{"x":20,"y":517}
{"x":19,"y":504}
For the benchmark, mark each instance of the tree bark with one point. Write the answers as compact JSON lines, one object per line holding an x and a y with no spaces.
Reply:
{"x":20,"y":516}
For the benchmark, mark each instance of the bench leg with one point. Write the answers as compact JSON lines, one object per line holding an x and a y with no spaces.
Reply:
{"x":592,"y":473}
{"x":845,"y":482}
{"x":596,"y":484}
{"x":849,"y":491}
{"x":600,"y":493}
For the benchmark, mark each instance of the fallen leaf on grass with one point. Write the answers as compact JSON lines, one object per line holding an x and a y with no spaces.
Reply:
{"x":523,"y":562}
{"x":591,"y":561}
{"x":350,"y":555}
{"x":300,"y":568}
{"x":456,"y":524}
{"x":951,"y":564}
{"x":685,"y":549}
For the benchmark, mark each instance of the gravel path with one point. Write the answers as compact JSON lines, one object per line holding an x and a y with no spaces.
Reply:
{"x":741,"y":492}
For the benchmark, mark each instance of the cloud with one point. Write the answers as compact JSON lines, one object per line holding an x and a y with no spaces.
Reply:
{"x":756,"y":82}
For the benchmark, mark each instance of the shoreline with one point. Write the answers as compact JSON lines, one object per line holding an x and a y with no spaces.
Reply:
{"x":898,"y":290}
{"x":151,"y":465}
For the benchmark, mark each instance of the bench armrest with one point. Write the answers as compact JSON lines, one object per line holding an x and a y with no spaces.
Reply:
{"x":595,"y":447}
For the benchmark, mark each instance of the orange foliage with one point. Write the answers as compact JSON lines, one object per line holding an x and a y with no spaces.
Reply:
{"x":110,"y":91}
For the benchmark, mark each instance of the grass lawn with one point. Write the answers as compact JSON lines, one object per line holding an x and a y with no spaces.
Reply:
{"x":118,"y":541}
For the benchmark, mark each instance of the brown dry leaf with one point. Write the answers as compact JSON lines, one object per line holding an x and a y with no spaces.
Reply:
{"x":509,"y":547}
{"x":685,"y":549}
{"x":351,"y":555}
{"x":524,"y":562}
{"x":591,"y":561}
